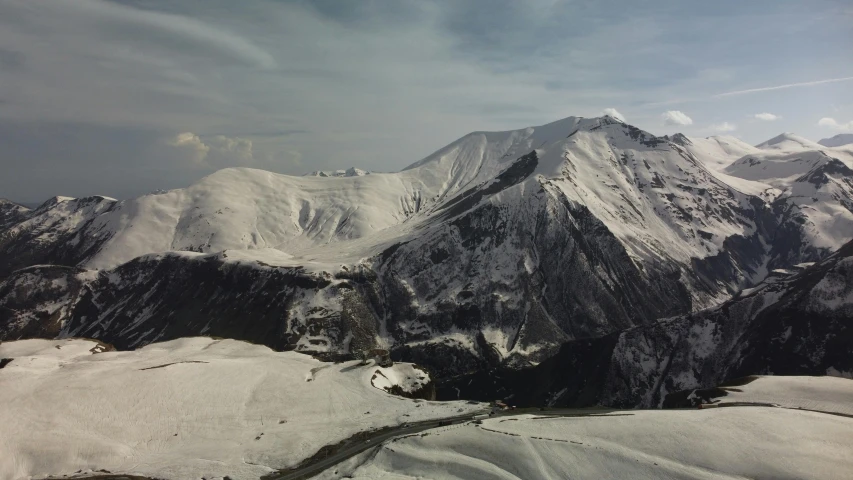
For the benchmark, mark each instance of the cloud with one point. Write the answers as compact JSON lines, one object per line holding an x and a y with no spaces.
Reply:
{"x":173,"y":31}
{"x":218,"y":151}
{"x":676,"y":117}
{"x":767,"y":117}
{"x":347,"y":83}
{"x":613,"y":113}
{"x":724,"y":127}
{"x":781,"y":87}
{"x":835,"y":124}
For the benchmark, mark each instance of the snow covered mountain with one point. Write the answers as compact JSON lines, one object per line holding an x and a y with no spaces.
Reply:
{"x":494,"y":250}
{"x":816,"y":199}
{"x":11,"y":213}
{"x":838,"y":140}
{"x":716,"y":152}
{"x":794,"y":323}
{"x":350,"y":172}
{"x":788,"y":141}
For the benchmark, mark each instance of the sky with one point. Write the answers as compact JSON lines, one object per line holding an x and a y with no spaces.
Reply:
{"x":124,"y":97}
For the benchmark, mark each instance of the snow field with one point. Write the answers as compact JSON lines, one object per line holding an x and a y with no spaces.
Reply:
{"x":725,"y":443}
{"x":184,"y":409}
{"x":825,"y":394}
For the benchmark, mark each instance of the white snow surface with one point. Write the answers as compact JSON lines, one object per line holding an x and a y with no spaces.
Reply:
{"x":725,"y":443}
{"x":719,"y":151}
{"x":825,"y":394}
{"x":408,"y":377}
{"x":184,"y":409}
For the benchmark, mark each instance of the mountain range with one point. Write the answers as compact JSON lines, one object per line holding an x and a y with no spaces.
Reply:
{"x":540,"y":249}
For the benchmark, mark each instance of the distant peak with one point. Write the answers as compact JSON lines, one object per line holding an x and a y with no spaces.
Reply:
{"x":349,"y":172}
{"x":6,"y":201}
{"x":788,"y":140}
{"x":838,"y":140}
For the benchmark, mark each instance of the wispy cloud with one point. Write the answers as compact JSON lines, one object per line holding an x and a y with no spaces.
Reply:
{"x":835,"y":124}
{"x":767,"y":117}
{"x":782,"y":87}
{"x":676,"y":117}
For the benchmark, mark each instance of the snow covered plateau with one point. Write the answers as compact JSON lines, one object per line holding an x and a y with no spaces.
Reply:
{"x":723,"y":443}
{"x":188,"y":408}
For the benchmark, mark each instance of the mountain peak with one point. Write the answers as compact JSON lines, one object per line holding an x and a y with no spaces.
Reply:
{"x":54,"y":201}
{"x":838,"y":140}
{"x":788,"y":141}
{"x":349,"y":172}
{"x":679,"y":139}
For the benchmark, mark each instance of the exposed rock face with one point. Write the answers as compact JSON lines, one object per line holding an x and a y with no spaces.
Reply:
{"x":497,"y":251}
{"x":36,"y":301}
{"x":794,"y":324}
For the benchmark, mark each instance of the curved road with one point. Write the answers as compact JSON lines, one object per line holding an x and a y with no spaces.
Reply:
{"x":379,"y":437}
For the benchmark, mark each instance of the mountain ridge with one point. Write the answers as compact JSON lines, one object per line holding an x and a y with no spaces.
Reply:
{"x":838,"y":140}
{"x":494,"y":250}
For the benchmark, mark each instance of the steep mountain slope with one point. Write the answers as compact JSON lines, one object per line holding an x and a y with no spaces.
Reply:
{"x":800,"y":324}
{"x":838,"y":140}
{"x":493,"y":250}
